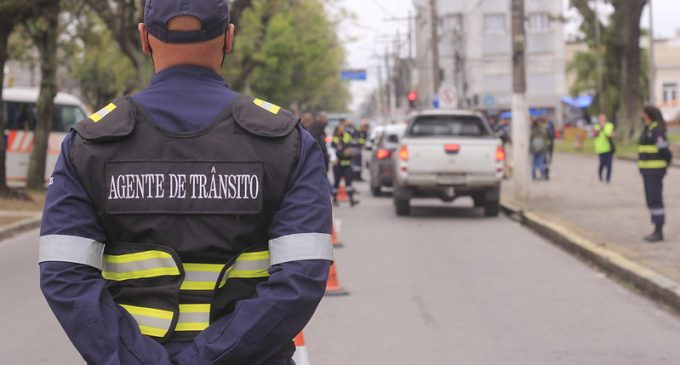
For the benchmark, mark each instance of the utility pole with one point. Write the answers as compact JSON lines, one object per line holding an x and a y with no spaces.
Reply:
{"x":598,"y":54}
{"x":520,"y":118}
{"x":652,"y":65}
{"x":434,"y":44}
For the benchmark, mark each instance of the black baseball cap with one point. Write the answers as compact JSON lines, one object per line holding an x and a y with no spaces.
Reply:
{"x":213,"y":14}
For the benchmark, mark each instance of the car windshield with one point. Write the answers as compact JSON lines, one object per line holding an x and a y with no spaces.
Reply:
{"x":22,"y":116}
{"x":448,"y":125}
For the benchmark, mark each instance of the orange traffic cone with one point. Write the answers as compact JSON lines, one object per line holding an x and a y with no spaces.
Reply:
{"x":334,"y":237}
{"x":342,"y":194}
{"x":333,"y":287}
{"x":301,"y":356}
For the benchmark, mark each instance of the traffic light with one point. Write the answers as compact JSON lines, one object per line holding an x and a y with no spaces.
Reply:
{"x":412,"y":98}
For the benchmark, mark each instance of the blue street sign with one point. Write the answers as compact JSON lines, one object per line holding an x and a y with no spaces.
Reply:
{"x":354,"y":75}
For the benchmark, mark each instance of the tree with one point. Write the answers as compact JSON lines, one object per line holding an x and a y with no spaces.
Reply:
{"x":631,"y":68}
{"x":623,"y":64}
{"x":288,"y":53}
{"x":43,"y":32}
{"x":11,"y":13}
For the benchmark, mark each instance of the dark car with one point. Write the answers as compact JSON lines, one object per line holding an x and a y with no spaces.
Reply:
{"x":381,"y":166}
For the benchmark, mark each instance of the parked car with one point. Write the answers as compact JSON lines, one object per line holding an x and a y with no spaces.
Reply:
{"x":448,"y":154}
{"x":381,"y":166}
{"x":20,"y":121}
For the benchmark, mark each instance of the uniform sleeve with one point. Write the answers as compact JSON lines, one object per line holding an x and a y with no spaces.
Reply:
{"x":301,"y":253}
{"x":71,"y":246}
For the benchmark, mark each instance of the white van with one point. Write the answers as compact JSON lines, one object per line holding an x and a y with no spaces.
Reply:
{"x":20,"y":120}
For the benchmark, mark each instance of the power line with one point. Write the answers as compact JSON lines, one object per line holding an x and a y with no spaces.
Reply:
{"x":384,"y":10}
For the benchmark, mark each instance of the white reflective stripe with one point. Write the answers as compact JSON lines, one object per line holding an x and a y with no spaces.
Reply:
{"x":73,"y":249}
{"x":302,"y":246}
{"x":658,"y":211}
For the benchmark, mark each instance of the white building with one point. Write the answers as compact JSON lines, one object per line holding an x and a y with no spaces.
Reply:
{"x":475,"y":53}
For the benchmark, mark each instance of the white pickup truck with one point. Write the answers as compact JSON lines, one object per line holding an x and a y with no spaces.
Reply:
{"x":447,"y":154}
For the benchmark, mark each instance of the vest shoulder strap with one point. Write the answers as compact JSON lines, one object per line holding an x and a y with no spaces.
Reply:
{"x":111,"y":122}
{"x":262,"y":118}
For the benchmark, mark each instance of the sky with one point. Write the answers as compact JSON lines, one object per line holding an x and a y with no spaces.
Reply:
{"x":364,"y":35}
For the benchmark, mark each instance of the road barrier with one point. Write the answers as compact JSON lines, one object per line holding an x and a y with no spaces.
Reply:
{"x":333,"y":287}
{"x":301,"y":356}
{"x":342,"y":194}
{"x":334,"y":237}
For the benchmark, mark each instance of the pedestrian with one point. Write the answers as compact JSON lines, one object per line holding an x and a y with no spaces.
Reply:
{"x":539,"y":148}
{"x":344,"y":150}
{"x":187,"y":224}
{"x":550,"y":132}
{"x":317,"y":129}
{"x":604,"y":146}
{"x":654,"y":157}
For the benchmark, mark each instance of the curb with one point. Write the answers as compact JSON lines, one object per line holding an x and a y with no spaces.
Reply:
{"x":20,"y":227}
{"x":650,"y":283}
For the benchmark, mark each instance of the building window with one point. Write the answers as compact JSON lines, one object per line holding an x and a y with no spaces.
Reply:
{"x":539,"y":22}
{"x":670,"y":91}
{"x":494,"y":24}
{"x":453,"y":23}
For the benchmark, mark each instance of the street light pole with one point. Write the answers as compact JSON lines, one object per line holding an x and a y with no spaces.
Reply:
{"x":520,"y":118}
{"x":434,"y":44}
{"x":598,"y":55}
{"x":652,"y":65}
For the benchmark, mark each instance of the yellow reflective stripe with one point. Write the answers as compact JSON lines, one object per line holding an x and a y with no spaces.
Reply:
{"x":140,"y":274}
{"x":187,"y":309}
{"x":195,"y":272}
{"x":253,"y":256}
{"x":648,"y":149}
{"x":194,"y":308}
{"x":101,"y":113}
{"x":137,"y":256}
{"x":653,"y":164}
{"x":149,"y":319}
{"x":148,"y":312}
{"x":248,"y":274}
{"x":274,"y":109}
{"x":197,"y":285}
{"x":204,"y":267}
{"x":153,"y":331}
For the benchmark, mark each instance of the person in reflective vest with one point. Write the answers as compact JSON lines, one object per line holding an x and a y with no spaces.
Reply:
{"x":186,"y":224}
{"x":345,"y":149}
{"x":654,"y":157}
{"x":604,"y":147}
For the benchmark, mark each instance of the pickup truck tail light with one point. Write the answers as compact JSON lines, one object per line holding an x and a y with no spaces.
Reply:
{"x":403,"y":153}
{"x":382,"y":154}
{"x":500,"y":154}
{"x":452,"y":148}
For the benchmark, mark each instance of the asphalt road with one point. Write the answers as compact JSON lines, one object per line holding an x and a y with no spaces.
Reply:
{"x":448,"y":286}
{"x":444,"y":286}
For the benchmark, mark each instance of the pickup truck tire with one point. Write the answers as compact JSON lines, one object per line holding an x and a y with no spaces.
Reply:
{"x":376,"y":190}
{"x":492,"y":208}
{"x":402,"y":207}
{"x":479,"y":200}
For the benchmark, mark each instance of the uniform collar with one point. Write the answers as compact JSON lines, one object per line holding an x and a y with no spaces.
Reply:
{"x":187,"y":72}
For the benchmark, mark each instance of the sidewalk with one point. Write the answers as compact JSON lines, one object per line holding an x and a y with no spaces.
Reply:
{"x":614,"y":216}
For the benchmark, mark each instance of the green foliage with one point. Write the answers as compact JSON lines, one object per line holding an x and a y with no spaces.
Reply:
{"x":290,"y":56}
{"x":99,"y":66}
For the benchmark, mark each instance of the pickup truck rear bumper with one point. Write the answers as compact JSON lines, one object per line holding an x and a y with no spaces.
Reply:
{"x":433,"y":185}
{"x":449,"y":180}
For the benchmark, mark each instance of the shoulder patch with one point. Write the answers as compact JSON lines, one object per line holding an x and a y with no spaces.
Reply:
{"x":112,"y":122}
{"x":262,"y":118}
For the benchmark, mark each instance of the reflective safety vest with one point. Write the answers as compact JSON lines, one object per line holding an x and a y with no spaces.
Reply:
{"x":340,"y":145}
{"x":186,"y":215}
{"x":649,"y":154}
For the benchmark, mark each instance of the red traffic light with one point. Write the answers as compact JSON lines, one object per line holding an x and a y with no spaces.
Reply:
{"x":412,"y":96}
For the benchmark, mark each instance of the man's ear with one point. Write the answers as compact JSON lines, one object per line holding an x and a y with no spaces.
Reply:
{"x":144,"y":38}
{"x":229,"y":39}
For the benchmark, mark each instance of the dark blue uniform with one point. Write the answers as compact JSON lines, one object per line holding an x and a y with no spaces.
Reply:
{"x":653,"y":159}
{"x":182,"y":99}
